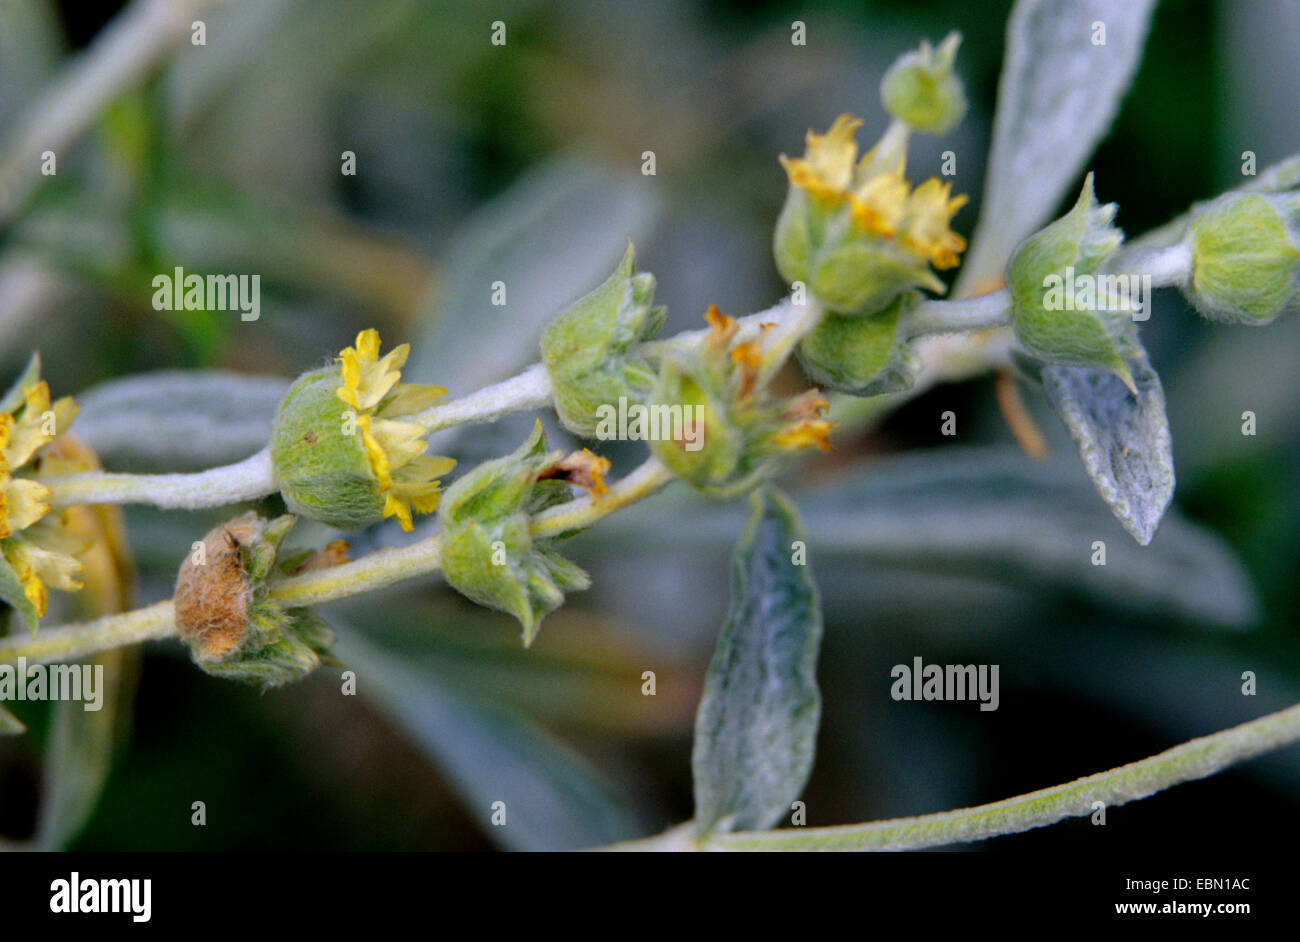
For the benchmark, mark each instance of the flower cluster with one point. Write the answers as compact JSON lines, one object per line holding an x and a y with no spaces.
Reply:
{"x":37,"y":549}
{"x":855,"y":231}
{"x":744,"y":431}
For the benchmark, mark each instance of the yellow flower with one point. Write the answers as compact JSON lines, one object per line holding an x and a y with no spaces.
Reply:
{"x":40,"y":569}
{"x":366,"y":378}
{"x":880,"y":199}
{"x":926,"y":231}
{"x":807,"y":429}
{"x":37,"y":550}
{"x":407,"y":479}
{"x":39,"y":423}
{"x":22,"y":502}
{"x":826,"y":169}
{"x":880,"y":203}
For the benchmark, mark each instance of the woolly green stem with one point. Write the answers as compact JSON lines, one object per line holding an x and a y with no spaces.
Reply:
{"x":245,"y":480}
{"x":946,"y":317}
{"x":531,"y":389}
{"x":70,"y":642}
{"x":1196,"y":759}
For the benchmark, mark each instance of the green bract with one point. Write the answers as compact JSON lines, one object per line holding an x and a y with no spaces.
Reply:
{"x":488,"y":551}
{"x":921,"y":89}
{"x":865,"y":356}
{"x":319,"y":459}
{"x":1246,"y":258}
{"x":225,"y":614}
{"x":1041,"y":273}
{"x":590,"y":348}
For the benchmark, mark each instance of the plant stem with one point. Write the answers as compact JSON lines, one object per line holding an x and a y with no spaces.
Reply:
{"x":1196,"y":759}
{"x":216,"y":487}
{"x":374,"y":571}
{"x":579,"y":514}
{"x":947,"y":317}
{"x":74,"y":641}
{"x":531,"y":389}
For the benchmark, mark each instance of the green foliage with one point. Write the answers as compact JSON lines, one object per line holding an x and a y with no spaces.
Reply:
{"x":757,"y":724}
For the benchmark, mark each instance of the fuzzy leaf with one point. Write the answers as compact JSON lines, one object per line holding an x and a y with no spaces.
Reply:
{"x":1122,"y":438}
{"x":1057,"y":97}
{"x":179,"y":421}
{"x":756,"y":729}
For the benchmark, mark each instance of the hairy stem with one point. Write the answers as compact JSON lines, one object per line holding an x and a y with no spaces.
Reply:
{"x":245,"y":480}
{"x":947,"y":317}
{"x":531,"y":389}
{"x":1195,"y":759}
{"x":74,"y":641}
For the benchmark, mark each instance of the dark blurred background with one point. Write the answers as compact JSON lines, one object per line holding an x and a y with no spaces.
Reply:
{"x":477,"y":162}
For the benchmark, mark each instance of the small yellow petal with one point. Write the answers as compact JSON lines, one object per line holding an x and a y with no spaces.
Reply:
{"x":410,"y":398}
{"x":806,"y":433}
{"x":402,"y":442}
{"x":879,"y":204}
{"x":375,"y":454}
{"x":22,"y":503}
{"x":368,"y":345}
{"x":925,"y":231}
{"x":34,"y":590}
{"x":396,"y":507}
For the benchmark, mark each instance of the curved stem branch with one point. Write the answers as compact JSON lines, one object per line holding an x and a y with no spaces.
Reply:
{"x":1195,"y":759}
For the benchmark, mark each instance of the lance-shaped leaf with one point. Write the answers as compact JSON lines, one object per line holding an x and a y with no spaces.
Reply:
{"x":1123,"y":438}
{"x":178,"y":421}
{"x":756,"y":729}
{"x":1068,"y":64}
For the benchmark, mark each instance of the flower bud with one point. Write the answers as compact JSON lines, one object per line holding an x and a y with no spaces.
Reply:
{"x":855,"y":232}
{"x":921,"y":88}
{"x":489,"y":554}
{"x":1075,"y":245}
{"x":590,"y":348}
{"x":864,"y":356}
{"x":731,"y":436}
{"x":343,"y":453}
{"x":1246,"y":258}
{"x":226,"y":616}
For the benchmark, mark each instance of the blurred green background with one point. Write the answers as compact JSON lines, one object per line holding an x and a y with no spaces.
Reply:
{"x":522,"y":163}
